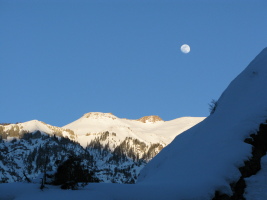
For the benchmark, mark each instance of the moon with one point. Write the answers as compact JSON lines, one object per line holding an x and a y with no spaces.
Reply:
{"x":185,"y":48}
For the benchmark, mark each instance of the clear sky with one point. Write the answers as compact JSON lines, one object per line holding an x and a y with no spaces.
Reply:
{"x":61,"y":59}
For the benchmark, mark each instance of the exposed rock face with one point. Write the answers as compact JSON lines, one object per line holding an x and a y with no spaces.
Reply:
{"x":151,"y":119}
{"x":251,"y":167}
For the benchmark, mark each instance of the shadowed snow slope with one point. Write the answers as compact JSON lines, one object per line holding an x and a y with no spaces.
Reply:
{"x":257,"y":184}
{"x":207,"y":157}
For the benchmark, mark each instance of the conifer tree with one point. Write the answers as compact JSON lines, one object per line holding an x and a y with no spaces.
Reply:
{"x":71,"y":172}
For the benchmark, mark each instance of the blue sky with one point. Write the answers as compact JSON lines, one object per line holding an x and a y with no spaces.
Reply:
{"x":61,"y":59}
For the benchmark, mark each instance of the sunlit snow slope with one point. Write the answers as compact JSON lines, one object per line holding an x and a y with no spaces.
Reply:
{"x":149,"y":129}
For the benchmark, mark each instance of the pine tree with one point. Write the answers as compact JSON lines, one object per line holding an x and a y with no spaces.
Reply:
{"x":71,"y":172}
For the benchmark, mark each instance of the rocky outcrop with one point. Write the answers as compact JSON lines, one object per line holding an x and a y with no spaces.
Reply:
{"x":151,"y":119}
{"x":251,"y":166}
{"x":99,"y":115}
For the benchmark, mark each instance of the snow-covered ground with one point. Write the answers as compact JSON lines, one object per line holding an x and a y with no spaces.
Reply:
{"x":94,"y":191}
{"x":257,"y":184}
{"x":200,"y":161}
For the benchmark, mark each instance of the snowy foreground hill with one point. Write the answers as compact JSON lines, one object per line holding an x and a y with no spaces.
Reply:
{"x":222,"y":157}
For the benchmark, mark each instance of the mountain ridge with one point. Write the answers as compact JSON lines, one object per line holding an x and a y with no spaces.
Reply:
{"x":153,"y":131}
{"x":115,"y":149}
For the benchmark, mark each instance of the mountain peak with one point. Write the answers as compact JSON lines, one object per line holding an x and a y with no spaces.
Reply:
{"x":99,"y":115}
{"x":152,"y":118}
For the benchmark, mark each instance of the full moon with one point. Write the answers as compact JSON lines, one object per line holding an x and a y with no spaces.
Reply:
{"x":185,"y":48}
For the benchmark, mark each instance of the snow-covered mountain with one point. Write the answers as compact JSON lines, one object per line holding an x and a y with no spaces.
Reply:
{"x":118,"y":148}
{"x":149,"y":130}
{"x":19,"y":129}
